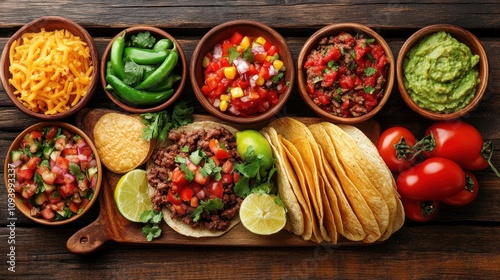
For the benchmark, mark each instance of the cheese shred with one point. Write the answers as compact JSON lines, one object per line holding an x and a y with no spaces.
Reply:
{"x":51,"y":70}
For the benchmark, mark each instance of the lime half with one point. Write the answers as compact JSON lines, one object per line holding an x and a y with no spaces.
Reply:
{"x":131,"y":195}
{"x":260,"y":214}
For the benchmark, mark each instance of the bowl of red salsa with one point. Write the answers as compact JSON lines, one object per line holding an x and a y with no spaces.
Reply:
{"x":242,"y":71}
{"x":345,"y":72}
{"x":52,"y":173}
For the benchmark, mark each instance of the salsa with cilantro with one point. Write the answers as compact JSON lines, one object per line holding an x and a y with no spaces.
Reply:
{"x":243,"y":75}
{"x":346,"y":74}
{"x":56,"y":173}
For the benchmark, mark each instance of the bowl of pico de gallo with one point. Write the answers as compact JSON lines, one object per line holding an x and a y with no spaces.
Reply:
{"x":345,"y":72}
{"x":52,"y":173}
{"x":242,"y":71}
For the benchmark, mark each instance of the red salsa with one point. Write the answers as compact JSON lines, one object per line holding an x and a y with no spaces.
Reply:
{"x":55,"y":173}
{"x":243,"y":75}
{"x":346,"y":74}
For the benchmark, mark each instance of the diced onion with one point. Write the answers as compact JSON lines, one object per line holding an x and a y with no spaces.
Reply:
{"x":217,"y":51}
{"x":241,"y":65}
{"x":216,"y":102}
{"x":233,"y":110}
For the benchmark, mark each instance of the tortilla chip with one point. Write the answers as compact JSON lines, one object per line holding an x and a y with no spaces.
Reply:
{"x":287,"y":181}
{"x":118,"y":140}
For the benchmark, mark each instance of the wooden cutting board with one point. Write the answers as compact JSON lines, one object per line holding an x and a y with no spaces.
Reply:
{"x":110,"y":225}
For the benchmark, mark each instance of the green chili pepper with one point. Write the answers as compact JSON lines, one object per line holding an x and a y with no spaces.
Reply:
{"x":167,"y":83}
{"x":161,"y":72}
{"x":116,"y":56}
{"x":163,"y":44}
{"x":136,"y":97}
{"x":144,"y":56}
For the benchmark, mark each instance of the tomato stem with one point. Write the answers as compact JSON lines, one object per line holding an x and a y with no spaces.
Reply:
{"x":487,"y":153}
{"x":404,"y":151}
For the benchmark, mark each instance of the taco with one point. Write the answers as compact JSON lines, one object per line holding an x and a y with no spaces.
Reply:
{"x":191,"y":179}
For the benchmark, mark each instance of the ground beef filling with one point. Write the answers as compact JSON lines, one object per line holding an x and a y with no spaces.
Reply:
{"x":164,"y":163}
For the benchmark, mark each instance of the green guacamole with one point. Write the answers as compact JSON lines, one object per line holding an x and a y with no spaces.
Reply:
{"x":440,"y":73}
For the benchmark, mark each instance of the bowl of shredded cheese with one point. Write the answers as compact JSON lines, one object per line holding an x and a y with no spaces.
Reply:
{"x":49,"y":68}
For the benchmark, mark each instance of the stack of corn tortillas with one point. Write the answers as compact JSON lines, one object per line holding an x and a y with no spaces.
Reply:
{"x":333,"y":182}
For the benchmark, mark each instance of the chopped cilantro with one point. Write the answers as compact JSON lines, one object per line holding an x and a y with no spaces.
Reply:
{"x":248,"y":55}
{"x":135,"y":72}
{"x":370,"y":40}
{"x":369,"y":89}
{"x":197,"y":156}
{"x":369,"y":71}
{"x":370,"y":57}
{"x":207,"y":206}
{"x":185,"y":149}
{"x":151,"y":219}
{"x":187,"y":173}
{"x":76,"y":171}
{"x":342,"y":50}
{"x":233,"y":54}
{"x":158,"y":124}
{"x":142,"y":40}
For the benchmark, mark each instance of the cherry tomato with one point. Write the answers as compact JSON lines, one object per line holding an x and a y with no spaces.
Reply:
{"x":433,"y":179}
{"x":394,"y":146}
{"x":467,"y":195}
{"x":458,"y":141}
{"x":420,"y":210}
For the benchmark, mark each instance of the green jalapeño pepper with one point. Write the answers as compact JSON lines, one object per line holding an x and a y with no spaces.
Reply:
{"x":161,"y":72}
{"x":116,"y":56}
{"x":163,"y":44}
{"x":136,"y":97}
{"x":145,"y":56}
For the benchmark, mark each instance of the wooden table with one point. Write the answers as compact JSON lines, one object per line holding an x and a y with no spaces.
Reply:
{"x":463,"y":242}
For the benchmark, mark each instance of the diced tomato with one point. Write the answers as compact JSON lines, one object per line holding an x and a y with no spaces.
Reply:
{"x":60,"y":143}
{"x":62,"y":162}
{"x":36,"y":134}
{"x":67,"y":190}
{"x":23,"y":175}
{"x":73,"y":207}
{"x":51,"y":133}
{"x":180,"y":208}
{"x":227,"y":166}
{"x":84,"y":202}
{"x":260,"y":57}
{"x":346,"y":82}
{"x":264,"y":73}
{"x":199,"y":178}
{"x":236,"y":38}
{"x":267,"y":45}
{"x":226,"y":47}
{"x":55,"y":197}
{"x":186,"y":194}
{"x":206,"y":89}
{"x":48,"y":214}
{"x":29,"y":190}
{"x":33,"y":162}
{"x":215,"y":189}
{"x":194,"y":202}
{"x":178,"y":177}
{"x":329,"y":78}
{"x":218,"y":151}
{"x":227,"y":178}
{"x":323,"y":99}
{"x":47,"y":176}
{"x":173,"y":198}
{"x":69,"y":151}
{"x":236,"y":177}
{"x":272,"y":50}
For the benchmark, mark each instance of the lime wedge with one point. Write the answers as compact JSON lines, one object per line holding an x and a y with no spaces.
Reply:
{"x":260,"y":214}
{"x":131,"y":195}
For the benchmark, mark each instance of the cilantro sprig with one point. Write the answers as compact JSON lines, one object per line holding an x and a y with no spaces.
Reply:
{"x":151,"y":219}
{"x":158,"y":124}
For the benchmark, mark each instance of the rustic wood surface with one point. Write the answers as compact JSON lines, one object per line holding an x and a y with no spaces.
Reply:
{"x":462,"y":243}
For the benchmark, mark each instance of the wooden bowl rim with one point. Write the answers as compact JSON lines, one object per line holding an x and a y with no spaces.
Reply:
{"x":472,"y":42}
{"x":197,"y":58}
{"x":159,"y":33}
{"x":35,"y":25}
{"x":334,"y":29}
{"x":15,"y":144}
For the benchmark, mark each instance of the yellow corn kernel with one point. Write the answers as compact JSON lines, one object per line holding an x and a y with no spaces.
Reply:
{"x":268,"y":58}
{"x":245,"y":42}
{"x":236,"y":92}
{"x":260,"y":40}
{"x":225,"y":97}
{"x":230,"y":72}
{"x":223,"y":105}
{"x":277,"y":64}
{"x":260,"y":81}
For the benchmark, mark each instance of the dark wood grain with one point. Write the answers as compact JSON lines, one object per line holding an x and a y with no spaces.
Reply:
{"x":462,"y":243}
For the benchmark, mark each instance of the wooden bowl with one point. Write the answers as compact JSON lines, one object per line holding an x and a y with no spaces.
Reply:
{"x":223,"y":32}
{"x":333,"y":30}
{"x":50,"y":23}
{"x":10,"y":173}
{"x":180,"y":69}
{"x":462,"y":36}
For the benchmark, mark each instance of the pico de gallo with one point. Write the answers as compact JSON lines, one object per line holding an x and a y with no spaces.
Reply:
{"x":56,"y":173}
{"x":244,"y":75}
{"x":346,"y":74}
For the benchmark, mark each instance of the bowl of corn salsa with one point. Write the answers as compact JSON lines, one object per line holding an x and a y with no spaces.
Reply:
{"x":242,"y":71}
{"x":50,"y":68}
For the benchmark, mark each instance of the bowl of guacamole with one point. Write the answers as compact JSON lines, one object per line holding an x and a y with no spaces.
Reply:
{"x":442,"y":71}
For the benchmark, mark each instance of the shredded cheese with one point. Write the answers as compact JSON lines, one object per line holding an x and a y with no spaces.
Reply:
{"x":51,"y":70}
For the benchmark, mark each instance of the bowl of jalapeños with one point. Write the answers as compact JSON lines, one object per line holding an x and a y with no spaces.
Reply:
{"x":242,"y":71}
{"x":143,"y":69}
{"x":52,"y":173}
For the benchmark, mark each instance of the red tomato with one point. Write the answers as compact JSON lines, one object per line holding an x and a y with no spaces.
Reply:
{"x":215,"y":189}
{"x":23,"y":175}
{"x":458,"y":141}
{"x":67,"y":190}
{"x":186,"y":194}
{"x":394,"y":145}
{"x":51,"y":133}
{"x":173,"y":198}
{"x":178,"y":177}
{"x":62,"y":162}
{"x":48,"y":214}
{"x":219,"y":152}
{"x":433,"y":179}
{"x":33,"y":162}
{"x":420,"y":210}
{"x":236,"y":38}
{"x":467,"y":195}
